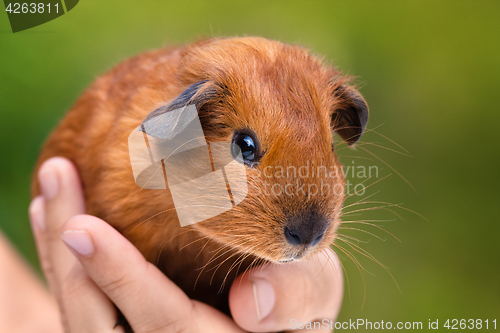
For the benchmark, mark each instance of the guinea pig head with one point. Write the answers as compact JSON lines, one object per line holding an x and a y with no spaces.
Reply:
{"x":280,"y":106}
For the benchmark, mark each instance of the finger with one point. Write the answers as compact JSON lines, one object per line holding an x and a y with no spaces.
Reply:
{"x":147,"y":298}
{"x":37,"y":220}
{"x":84,"y":306}
{"x":63,"y":198}
{"x":275,"y":298}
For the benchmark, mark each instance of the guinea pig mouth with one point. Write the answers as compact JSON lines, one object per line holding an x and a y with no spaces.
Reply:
{"x":297,"y":256}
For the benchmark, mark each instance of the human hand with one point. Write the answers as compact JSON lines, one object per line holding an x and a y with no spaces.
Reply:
{"x":25,"y":303}
{"x":90,"y":266}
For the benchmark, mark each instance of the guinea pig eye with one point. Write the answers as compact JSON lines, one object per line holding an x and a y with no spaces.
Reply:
{"x":245,"y":141}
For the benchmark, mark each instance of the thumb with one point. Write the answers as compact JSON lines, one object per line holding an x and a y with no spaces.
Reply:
{"x":278,"y":297}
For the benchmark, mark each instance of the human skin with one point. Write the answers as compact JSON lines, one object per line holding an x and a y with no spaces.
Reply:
{"x":25,"y":304}
{"x":91,"y":267}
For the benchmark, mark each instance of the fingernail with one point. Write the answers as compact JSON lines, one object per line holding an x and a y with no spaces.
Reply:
{"x":37,"y":213}
{"x":263,"y":293}
{"x":47,"y":176}
{"x":79,"y":241}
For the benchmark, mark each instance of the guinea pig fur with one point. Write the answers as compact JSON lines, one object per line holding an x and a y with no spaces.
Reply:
{"x":288,"y":100}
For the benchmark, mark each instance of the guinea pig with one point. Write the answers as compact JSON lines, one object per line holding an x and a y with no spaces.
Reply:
{"x":278,"y":103}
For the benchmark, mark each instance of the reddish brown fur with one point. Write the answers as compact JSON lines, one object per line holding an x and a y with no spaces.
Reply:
{"x":281,"y":92}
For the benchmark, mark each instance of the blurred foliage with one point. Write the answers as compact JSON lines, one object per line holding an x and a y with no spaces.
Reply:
{"x":429,"y":71}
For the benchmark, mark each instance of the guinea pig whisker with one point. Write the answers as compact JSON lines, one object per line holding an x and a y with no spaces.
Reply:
{"x":363,"y":252}
{"x":249,"y":266}
{"x":191,"y":243}
{"x":170,"y":209}
{"x":140,"y":190}
{"x":385,"y":137}
{"x":229,"y":250}
{"x":221,"y":263}
{"x":266,"y":262}
{"x":149,"y":218}
{"x":358,"y":266}
{"x":199,"y":274}
{"x":211,"y":237}
{"x":258,"y":264}
{"x":237,"y":263}
{"x":374,"y":221}
{"x":371,"y":208}
{"x":353,"y":257}
{"x":181,"y":233}
{"x":263,"y":262}
{"x":355,"y":136}
{"x":353,"y":238}
{"x":329,"y":261}
{"x":361,"y":200}
{"x":247,"y":254}
{"x":361,"y":230}
{"x":368,"y":255}
{"x":370,"y":185}
{"x":353,"y":156}
{"x":208,"y":241}
{"x":373,"y":130}
{"x":241,"y":259}
{"x":233,"y":265}
{"x":217,"y":268}
{"x":388,"y":204}
{"x":370,"y":224}
{"x":221,"y":248}
{"x":390,"y":166}
{"x":386,"y":207}
{"x":209,"y":262}
{"x":343,"y":269}
{"x":232,"y":243}
{"x":398,"y":206}
{"x":166,"y":242}
{"x":383,"y":147}
{"x":204,"y":245}
{"x":322,"y":271}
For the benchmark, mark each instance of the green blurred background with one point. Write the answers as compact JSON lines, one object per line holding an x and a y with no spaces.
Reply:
{"x":429,"y":70}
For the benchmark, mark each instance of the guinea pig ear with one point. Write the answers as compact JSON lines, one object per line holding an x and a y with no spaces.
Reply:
{"x":350,"y":114}
{"x":198,"y":94}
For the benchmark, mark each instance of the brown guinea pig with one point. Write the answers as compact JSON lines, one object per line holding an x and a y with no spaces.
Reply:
{"x":277,"y":102}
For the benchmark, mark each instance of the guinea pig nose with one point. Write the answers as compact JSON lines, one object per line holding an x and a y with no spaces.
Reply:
{"x":294,"y":236}
{"x":306,"y":228}
{"x":318,"y":238}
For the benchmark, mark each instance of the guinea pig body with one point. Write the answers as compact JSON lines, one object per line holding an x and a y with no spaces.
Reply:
{"x":283,"y":99}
